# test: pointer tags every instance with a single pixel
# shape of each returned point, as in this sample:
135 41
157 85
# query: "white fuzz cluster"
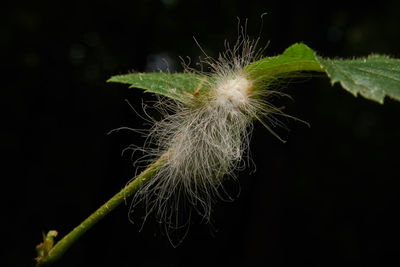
202 139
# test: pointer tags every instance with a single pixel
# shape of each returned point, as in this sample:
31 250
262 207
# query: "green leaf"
297 57
176 85
374 77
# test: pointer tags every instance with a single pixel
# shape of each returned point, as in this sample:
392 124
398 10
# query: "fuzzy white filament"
203 139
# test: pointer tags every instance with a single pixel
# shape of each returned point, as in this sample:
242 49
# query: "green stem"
50 254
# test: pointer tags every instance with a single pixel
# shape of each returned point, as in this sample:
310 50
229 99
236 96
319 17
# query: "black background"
327 197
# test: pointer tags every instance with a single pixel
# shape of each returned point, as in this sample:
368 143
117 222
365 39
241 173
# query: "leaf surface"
176 85
373 77
298 57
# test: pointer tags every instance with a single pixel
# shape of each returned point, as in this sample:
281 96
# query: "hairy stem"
48 253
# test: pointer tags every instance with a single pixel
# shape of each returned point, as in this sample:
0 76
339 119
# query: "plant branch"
47 253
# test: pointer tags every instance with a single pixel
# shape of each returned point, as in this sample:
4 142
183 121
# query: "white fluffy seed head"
234 91
202 141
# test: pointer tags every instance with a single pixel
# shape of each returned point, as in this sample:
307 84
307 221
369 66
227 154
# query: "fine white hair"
202 139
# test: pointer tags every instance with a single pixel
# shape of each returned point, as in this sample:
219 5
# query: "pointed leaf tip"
176 86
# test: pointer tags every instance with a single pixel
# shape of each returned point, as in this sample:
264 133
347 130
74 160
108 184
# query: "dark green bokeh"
327 197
